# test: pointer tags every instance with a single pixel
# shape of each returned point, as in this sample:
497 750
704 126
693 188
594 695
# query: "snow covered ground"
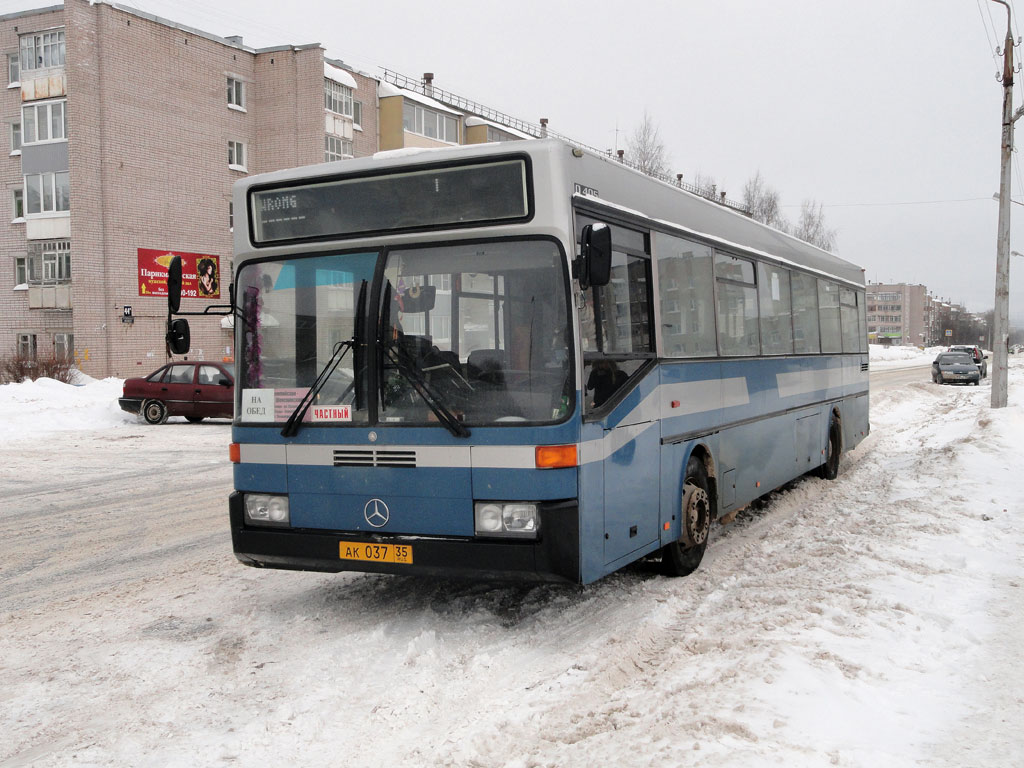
872 621
886 357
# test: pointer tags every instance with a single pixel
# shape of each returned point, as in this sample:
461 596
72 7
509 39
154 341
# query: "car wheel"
830 469
154 412
682 557
194 419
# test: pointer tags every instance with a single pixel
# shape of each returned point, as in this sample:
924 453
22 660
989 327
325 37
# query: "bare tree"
706 184
811 226
763 202
646 149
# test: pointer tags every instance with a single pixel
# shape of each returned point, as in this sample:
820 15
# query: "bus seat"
486 365
416 346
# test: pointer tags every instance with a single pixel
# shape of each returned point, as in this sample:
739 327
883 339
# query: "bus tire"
154 412
681 557
830 469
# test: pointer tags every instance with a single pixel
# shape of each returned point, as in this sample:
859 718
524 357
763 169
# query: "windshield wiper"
405 365
291 427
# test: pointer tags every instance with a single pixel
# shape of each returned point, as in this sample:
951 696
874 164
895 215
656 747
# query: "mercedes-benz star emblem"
376 513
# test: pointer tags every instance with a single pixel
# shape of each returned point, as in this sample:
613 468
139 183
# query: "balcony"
49 296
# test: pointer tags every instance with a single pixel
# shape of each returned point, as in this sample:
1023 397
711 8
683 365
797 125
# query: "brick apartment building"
897 314
125 133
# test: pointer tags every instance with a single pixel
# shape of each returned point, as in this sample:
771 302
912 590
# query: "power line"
988 32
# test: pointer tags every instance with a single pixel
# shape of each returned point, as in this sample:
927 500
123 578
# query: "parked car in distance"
976 354
955 368
194 390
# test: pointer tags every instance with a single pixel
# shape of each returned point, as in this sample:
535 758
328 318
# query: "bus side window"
616 329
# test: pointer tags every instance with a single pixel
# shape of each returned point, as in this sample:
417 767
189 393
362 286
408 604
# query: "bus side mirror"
595 264
419 298
174 285
178 336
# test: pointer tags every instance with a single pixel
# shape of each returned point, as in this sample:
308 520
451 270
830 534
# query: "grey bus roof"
642 195
617 186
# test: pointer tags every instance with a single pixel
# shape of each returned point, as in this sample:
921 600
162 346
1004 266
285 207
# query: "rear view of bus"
406 391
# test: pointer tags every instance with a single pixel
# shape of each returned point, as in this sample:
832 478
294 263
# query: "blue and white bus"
522 361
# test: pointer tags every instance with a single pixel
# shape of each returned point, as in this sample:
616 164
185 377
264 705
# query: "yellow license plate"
376 553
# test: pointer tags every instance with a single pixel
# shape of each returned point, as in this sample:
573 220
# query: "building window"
13 68
48 192
357 114
236 93
495 134
27 346
338 98
236 155
337 148
64 346
44 122
43 50
18 204
20 270
427 122
231 216
15 138
49 262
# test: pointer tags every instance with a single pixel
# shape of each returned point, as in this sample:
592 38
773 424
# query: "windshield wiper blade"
408 369
291 427
400 358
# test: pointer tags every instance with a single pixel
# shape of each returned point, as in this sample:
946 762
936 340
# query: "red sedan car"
194 390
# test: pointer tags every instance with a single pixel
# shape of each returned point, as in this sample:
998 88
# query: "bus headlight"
512 519
263 509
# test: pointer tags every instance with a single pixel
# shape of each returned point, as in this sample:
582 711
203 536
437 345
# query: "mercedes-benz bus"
522 361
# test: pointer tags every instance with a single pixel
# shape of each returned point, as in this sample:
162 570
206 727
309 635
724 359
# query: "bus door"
631 441
620 382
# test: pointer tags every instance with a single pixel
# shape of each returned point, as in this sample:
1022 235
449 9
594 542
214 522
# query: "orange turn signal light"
235 453
555 456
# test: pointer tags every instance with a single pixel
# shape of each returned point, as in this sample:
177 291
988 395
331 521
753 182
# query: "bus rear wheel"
681 558
830 469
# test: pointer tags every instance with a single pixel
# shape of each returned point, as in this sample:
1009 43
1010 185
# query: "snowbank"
34 409
887 357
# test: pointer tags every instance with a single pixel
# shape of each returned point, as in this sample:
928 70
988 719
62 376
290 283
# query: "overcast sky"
888 113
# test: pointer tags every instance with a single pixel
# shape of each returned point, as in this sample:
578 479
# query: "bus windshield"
479 333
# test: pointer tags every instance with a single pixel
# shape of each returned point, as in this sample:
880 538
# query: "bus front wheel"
682 557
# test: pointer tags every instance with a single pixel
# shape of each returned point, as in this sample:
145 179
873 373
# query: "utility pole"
1001 315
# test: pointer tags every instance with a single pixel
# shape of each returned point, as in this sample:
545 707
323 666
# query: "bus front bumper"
553 557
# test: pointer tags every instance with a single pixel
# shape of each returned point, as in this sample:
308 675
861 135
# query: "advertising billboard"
200 273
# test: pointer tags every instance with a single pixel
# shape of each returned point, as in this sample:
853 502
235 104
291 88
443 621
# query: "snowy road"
135 503
868 622
899 377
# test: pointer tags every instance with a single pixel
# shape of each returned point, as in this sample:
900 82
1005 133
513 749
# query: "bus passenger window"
828 310
686 287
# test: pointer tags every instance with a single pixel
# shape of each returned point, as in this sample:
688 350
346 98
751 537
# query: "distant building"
896 314
415 113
